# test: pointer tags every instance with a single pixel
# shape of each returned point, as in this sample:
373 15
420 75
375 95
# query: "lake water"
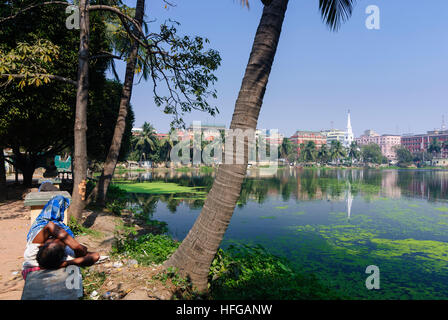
334 223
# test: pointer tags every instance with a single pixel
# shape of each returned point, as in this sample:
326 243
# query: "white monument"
348 138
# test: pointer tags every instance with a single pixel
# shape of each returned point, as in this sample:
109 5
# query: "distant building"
386 142
334 135
137 131
420 142
209 131
273 137
300 137
440 162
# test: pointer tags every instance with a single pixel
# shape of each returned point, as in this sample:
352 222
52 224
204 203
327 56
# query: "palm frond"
335 12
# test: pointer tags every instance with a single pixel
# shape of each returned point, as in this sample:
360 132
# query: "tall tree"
181 64
323 154
337 150
286 149
354 152
309 152
147 143
37 113
404 156
435 147
197 250
80 129
101 187
166 145
190 68
371 153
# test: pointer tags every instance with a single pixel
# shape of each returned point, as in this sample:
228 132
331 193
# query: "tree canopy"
37 113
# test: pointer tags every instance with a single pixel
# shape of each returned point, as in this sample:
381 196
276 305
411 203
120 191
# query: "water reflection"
349 198
303 185
330 222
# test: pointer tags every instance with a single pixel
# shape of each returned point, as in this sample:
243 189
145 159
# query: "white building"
348 137
334 135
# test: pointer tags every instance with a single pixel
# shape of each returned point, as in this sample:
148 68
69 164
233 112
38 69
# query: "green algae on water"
158 187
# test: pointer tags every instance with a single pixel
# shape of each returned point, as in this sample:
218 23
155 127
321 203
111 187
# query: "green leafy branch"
29 63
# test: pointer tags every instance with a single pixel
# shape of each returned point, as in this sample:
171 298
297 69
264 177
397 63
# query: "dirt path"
129 281
14 224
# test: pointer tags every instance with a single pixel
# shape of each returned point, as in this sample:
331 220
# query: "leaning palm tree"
197 250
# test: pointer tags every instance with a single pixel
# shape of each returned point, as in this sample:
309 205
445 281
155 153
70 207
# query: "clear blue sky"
394 80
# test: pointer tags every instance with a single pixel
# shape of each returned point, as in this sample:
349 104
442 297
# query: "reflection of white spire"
349 200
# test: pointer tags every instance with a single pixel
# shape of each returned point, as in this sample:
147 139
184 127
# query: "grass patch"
147 249
157 187
206 169
183 169
79 230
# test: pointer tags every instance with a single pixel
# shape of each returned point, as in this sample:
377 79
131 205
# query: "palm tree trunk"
3 190
195 254
100 190
80 143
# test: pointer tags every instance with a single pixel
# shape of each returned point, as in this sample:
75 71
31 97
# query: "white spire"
349 124
348 139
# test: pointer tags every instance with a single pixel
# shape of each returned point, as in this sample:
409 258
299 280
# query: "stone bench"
53 284
37 201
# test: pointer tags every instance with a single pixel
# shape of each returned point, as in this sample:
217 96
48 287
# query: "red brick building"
421 142
304 136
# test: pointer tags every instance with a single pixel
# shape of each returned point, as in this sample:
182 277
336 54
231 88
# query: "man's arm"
89 259
62 235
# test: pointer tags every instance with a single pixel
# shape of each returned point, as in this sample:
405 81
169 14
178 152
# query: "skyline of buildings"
387 142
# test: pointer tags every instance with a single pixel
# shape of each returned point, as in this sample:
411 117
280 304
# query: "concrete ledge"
53 180
37 201
51 285
41 198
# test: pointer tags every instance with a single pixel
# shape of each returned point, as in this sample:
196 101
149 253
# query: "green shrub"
79 230
147 249
114 192
115 207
